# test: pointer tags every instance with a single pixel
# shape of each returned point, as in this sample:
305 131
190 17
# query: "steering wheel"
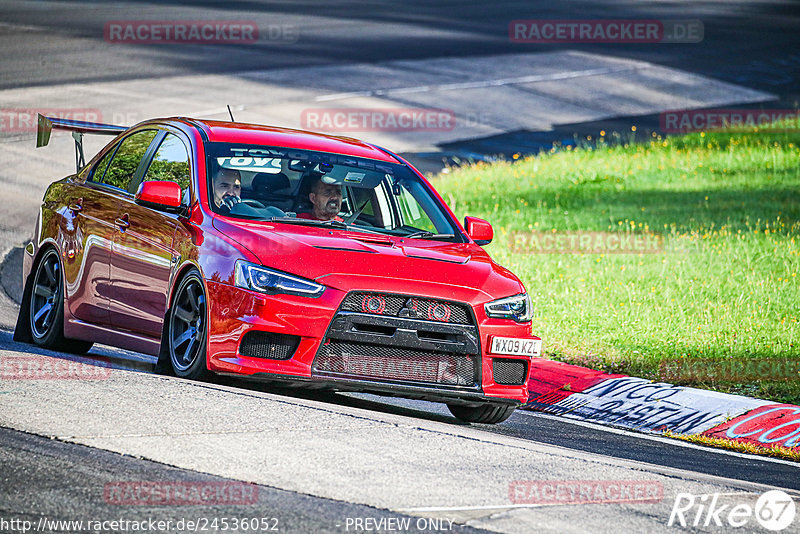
253 203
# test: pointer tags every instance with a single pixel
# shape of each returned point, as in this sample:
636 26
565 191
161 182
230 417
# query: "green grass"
726 284
774 451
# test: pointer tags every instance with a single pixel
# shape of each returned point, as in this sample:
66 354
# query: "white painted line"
337 96
24 27
261 430
540 505
486 83
493 507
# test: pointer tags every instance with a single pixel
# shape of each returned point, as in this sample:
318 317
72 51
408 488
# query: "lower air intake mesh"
381 362
267 345
509 372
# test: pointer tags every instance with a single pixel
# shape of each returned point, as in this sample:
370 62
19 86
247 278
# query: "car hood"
360 261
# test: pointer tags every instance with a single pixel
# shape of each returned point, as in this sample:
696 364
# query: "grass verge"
773 451
720 285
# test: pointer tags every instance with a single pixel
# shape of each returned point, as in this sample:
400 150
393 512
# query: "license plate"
516 346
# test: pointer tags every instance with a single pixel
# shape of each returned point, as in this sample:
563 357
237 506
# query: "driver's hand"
229 201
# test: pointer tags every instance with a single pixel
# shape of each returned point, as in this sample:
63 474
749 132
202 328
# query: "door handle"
122 222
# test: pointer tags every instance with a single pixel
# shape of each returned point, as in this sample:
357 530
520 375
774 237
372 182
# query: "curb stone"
644 405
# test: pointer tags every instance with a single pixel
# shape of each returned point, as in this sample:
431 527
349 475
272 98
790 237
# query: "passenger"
227 189
326 201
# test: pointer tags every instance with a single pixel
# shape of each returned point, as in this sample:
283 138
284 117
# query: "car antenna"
231 113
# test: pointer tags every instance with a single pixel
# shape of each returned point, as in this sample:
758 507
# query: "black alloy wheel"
45 295
186 335
46 307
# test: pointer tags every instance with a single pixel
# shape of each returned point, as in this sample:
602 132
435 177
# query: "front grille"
384 362
509 372
383 337
440 311
268 345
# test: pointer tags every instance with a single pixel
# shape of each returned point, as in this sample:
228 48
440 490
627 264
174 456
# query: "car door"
143 256
90 210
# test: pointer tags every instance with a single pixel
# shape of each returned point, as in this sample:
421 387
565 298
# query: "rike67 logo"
774 510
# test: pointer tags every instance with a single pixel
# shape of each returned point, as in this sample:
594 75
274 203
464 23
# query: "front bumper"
326 343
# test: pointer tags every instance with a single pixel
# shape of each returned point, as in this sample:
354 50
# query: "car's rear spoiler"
78 128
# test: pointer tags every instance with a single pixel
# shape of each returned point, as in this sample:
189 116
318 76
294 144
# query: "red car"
278 255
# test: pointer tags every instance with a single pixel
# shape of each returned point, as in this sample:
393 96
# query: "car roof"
257 134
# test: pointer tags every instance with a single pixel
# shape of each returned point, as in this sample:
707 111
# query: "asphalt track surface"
753 44
527 425
63 482
52 479
749 43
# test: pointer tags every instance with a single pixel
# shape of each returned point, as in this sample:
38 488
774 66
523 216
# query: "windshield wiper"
333 223
426 235
310 222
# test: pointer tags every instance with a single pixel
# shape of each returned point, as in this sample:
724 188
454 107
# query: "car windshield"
316 188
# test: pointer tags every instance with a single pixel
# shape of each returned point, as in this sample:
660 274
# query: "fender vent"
256 344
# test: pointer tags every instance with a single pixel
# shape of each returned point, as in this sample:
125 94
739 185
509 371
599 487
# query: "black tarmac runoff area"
50 486
747 43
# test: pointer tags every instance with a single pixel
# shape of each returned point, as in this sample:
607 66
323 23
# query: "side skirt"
76 329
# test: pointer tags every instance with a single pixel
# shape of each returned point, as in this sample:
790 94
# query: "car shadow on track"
103 356
343 399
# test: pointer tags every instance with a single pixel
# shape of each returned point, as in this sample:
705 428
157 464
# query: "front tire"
187 328
489 414
46 307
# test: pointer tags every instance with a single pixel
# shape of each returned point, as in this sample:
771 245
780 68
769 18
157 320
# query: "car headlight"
258 278
517 308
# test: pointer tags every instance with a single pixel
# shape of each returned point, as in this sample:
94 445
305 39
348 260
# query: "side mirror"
159 195
479 230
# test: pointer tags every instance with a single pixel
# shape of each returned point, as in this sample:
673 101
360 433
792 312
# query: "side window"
127 159
412 212
100 168
171 163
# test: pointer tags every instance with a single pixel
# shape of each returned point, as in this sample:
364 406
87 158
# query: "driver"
326 201
227 189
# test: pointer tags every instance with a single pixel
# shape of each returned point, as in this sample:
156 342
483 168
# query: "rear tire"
46 307
187 329
488 413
